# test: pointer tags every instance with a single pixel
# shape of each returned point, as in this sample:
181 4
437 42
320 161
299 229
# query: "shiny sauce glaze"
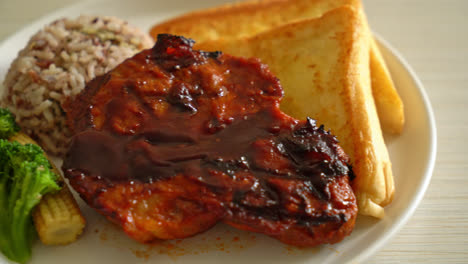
214 119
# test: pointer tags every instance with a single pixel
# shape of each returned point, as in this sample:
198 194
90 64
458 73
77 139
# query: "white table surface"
433 36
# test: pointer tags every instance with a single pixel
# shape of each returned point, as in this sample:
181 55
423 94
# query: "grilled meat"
175 140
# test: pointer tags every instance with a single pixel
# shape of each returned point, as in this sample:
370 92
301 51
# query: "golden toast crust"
390 106
243 19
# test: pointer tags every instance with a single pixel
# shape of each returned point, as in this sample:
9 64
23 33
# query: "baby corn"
57 217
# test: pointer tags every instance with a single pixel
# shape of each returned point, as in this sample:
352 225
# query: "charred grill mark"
174 53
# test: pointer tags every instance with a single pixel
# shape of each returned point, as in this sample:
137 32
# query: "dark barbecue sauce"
208 116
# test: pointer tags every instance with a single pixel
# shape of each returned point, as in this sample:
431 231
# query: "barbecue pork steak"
175 140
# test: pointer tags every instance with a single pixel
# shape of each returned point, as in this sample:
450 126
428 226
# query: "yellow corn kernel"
22 138
57 217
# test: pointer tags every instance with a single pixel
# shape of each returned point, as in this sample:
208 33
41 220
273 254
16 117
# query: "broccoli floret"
25 176
8 126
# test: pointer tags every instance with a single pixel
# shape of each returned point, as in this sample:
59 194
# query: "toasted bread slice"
244 19
387 100
323 65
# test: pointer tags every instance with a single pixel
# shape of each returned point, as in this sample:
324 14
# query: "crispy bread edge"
374 179
389 104
217 18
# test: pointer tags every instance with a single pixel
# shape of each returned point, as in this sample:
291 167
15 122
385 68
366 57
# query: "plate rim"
421 189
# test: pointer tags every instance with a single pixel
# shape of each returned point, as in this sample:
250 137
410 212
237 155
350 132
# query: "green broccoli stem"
21 219
21 234
19 215
25 176
4 218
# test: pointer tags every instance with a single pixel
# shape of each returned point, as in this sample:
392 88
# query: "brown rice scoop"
56 64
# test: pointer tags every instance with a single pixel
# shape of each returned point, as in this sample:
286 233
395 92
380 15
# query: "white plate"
412 154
